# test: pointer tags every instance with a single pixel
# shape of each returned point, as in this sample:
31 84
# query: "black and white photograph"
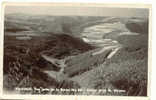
74 50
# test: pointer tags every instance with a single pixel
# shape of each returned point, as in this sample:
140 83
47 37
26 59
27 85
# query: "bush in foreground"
124 74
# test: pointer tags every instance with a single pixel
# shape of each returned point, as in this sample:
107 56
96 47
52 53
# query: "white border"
86 97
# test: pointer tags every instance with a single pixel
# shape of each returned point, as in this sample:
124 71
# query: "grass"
84 62
139 27
124 72
133 43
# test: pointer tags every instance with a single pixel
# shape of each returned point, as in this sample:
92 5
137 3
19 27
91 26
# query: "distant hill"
47 24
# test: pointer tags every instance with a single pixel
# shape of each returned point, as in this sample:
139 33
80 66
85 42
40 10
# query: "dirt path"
114 49
58 76
56 62
107 49
83 79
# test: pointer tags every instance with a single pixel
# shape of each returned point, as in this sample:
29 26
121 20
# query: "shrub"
126 74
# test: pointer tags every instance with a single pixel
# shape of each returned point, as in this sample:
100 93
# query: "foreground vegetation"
127 72
24 66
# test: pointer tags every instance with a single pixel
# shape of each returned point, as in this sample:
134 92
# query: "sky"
77 11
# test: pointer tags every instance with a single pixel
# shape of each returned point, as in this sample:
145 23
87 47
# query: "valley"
75 53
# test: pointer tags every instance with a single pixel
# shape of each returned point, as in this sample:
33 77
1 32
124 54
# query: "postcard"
75 49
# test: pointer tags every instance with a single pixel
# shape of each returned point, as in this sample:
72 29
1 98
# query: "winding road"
92 35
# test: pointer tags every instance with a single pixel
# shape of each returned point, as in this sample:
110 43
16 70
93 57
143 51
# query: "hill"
48 24
96 53
24 66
